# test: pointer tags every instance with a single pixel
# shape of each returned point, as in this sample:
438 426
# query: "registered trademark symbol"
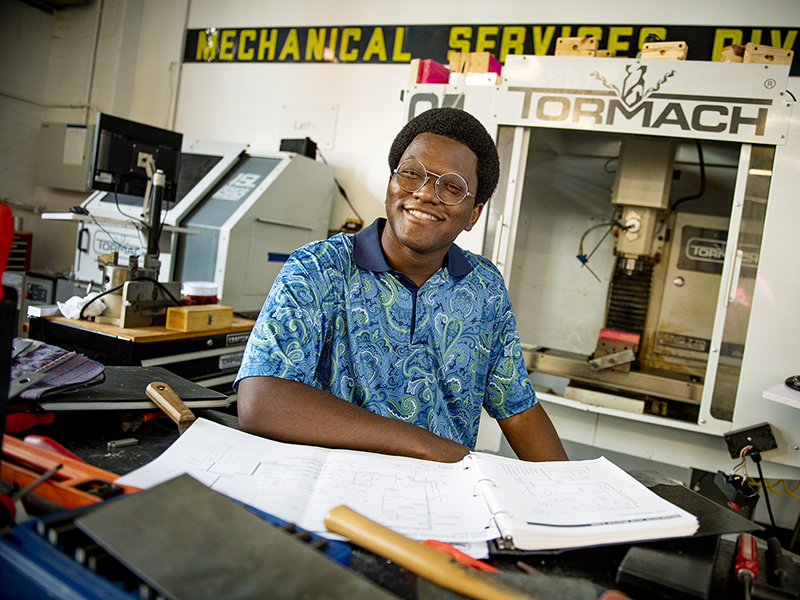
770 83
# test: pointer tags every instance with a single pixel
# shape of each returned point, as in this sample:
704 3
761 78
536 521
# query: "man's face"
419 221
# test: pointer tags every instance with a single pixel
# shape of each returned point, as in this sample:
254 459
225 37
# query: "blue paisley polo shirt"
338 317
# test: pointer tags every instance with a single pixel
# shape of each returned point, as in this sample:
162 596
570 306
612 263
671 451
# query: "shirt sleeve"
288 336
509 390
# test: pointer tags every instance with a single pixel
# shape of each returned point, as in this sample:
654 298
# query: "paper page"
268 476
297 483
570 493
418 498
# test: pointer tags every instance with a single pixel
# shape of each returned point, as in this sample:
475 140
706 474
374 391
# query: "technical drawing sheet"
297 483
570 493
573 504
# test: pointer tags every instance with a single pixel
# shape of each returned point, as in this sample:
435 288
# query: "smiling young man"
392 339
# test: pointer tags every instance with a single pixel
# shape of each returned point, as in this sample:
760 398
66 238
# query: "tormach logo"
649 107
633 85
709 250
705 250
103 245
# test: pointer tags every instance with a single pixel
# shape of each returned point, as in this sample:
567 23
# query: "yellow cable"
771 487
796 488
790 492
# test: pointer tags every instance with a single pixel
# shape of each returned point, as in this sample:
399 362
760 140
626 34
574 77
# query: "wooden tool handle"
419 558
167 400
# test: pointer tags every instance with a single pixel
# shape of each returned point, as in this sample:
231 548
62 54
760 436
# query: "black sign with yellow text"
393 44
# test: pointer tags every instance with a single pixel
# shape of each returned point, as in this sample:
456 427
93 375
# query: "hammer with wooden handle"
168 401
419 558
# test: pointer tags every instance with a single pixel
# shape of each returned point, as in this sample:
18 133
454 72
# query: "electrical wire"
346 199
771 487
766 493
755 455
610 226
116 287
100 295
582 257
136 222
161 286
126 215
701 192
103 229
341 191
742 466
791 492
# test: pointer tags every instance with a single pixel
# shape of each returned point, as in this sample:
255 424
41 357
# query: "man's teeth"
422 215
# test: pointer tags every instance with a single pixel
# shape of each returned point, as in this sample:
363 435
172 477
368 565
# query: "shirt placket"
425 310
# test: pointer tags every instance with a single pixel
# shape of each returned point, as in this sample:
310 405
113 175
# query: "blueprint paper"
300 484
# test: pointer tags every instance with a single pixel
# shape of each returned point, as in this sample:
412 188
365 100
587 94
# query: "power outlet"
758 436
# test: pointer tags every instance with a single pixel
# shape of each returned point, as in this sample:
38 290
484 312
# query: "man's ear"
476 213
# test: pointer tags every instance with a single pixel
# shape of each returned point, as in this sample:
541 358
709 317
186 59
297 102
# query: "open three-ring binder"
528 506
560 505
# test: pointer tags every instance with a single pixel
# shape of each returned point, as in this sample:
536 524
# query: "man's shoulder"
333 249
481 265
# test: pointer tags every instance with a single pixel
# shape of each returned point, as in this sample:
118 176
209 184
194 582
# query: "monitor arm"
148 163
156 181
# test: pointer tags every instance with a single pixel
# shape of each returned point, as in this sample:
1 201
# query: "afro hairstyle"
462 127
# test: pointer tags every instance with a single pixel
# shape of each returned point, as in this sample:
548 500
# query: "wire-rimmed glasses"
450 188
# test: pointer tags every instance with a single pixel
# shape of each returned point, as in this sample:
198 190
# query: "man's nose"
428 191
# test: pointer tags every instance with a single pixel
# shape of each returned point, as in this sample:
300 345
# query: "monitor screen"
120 146
193 168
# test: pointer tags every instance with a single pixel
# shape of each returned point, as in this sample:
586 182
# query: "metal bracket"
23 382
612 360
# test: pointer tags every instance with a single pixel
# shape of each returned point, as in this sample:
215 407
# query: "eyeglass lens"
450 187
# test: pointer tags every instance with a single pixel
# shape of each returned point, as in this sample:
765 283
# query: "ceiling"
50 6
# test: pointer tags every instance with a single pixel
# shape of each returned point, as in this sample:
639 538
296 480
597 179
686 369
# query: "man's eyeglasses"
450 188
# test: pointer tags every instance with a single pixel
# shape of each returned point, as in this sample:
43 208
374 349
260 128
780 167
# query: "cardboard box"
201 317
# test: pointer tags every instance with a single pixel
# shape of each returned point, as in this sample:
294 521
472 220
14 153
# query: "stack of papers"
534 506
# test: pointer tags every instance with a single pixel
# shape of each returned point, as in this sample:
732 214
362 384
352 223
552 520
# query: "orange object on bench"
75 484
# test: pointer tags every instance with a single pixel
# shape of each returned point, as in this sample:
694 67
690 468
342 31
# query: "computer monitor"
121 151
194 167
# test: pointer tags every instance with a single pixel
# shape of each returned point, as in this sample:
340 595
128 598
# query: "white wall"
62 68
27 38
50 62
246 99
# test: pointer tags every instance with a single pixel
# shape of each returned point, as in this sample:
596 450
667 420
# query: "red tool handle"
6 238
746 564
48 443
460 556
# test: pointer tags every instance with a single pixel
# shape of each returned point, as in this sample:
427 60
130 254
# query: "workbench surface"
87 435
151 334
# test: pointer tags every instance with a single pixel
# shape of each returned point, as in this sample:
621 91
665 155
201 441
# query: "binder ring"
475 487
508 539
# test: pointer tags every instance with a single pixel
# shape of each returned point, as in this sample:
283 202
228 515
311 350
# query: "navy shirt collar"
368 253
